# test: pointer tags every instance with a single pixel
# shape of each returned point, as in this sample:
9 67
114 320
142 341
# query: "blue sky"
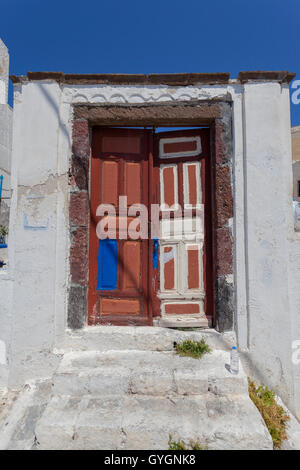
135 36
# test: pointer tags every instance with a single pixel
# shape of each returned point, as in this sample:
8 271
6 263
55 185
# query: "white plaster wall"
38 213
268 223
6 285
2 91
5 148
5 135
5 165
267 303
4 71
294 292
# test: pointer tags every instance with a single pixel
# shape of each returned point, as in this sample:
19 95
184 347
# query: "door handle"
155 253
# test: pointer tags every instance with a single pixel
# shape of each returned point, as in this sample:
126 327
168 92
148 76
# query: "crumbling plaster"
38 221
264 239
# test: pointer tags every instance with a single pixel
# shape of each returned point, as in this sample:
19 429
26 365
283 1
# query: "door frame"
216 114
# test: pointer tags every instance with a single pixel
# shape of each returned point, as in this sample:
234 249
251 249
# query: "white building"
249 280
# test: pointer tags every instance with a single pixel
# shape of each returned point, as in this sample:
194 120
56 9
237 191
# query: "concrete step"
126 388
146 422
146 373
25 407
105 338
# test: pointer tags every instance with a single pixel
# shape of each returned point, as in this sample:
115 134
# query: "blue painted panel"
107 265
155 253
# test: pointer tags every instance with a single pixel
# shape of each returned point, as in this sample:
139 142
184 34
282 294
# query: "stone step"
105 338
146 422
146 373
25 407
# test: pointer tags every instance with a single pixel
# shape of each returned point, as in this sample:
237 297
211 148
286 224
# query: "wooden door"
186 274
118 279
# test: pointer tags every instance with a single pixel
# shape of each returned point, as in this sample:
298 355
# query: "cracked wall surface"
6 116
39 217
5 141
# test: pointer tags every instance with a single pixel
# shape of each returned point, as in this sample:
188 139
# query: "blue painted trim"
33 227
155 253
3 243
107 265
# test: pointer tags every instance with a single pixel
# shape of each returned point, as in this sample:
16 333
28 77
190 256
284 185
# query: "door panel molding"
126 152
183 284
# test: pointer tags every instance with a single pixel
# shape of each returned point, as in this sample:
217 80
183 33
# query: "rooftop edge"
172 79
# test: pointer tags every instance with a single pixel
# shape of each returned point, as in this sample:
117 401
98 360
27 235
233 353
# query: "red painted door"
118 281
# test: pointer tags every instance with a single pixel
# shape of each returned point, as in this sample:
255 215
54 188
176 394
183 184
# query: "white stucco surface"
6 116
4 68
38 208
2 92
266 248
5 133
268 225
6 324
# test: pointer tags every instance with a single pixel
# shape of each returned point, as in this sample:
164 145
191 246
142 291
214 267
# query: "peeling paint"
169 255
34 225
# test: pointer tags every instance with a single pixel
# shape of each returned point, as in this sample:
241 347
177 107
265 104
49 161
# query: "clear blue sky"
138 36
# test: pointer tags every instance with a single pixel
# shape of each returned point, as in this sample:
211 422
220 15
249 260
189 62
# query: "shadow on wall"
54 106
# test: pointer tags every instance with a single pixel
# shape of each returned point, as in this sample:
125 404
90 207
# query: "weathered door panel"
185 287
118 284
125 287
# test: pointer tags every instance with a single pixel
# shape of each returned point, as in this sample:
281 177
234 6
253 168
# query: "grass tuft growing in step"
180 445
191 348
273 414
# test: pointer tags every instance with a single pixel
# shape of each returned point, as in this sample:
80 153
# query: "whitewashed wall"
266 248
5 130
268 229
39 219
4 70
5 167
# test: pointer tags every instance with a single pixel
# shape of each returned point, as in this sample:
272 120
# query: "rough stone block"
223 195
79 209
224 254
81 138
224 304
77 307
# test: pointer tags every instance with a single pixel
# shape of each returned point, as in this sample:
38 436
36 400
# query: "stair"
125 388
